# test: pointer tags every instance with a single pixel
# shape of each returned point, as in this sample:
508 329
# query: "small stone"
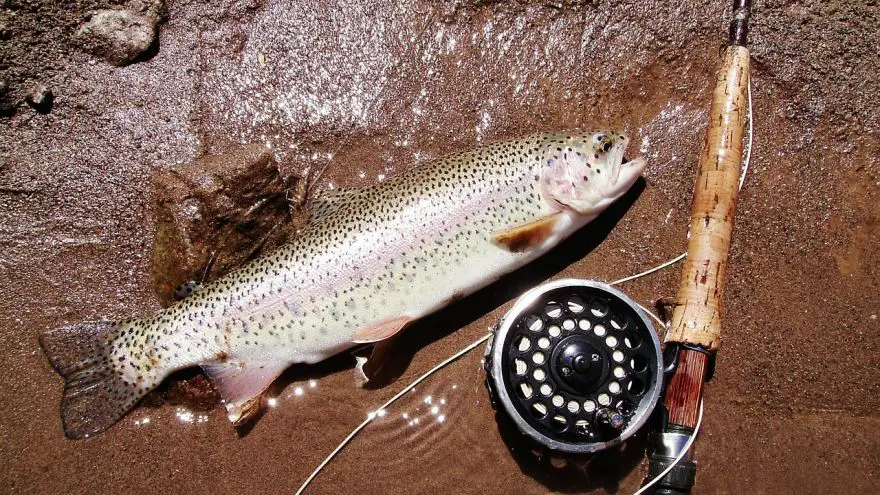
5 32
7 105
40 98
119 36
185 388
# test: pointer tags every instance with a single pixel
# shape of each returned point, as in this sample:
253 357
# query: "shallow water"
371 88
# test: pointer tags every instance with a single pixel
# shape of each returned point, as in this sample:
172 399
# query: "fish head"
587 172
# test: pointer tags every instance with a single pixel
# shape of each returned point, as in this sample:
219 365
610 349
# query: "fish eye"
603 142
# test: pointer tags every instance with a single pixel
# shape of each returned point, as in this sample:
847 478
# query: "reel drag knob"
576 365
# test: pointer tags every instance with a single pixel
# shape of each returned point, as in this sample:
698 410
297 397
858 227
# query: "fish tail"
99 385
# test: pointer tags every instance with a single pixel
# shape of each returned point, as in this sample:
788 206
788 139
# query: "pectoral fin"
524 237
241 385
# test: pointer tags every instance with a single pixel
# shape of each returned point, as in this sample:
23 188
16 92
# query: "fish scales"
369 262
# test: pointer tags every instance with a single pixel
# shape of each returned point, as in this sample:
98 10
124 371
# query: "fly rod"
694 334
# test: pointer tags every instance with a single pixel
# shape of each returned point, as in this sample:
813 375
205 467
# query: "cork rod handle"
696 317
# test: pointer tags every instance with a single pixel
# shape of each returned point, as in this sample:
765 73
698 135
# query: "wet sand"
374 89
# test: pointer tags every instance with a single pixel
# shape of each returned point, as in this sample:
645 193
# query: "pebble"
120 37
7 106
40 98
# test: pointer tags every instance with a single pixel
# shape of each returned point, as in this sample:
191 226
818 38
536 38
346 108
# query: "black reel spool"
576 365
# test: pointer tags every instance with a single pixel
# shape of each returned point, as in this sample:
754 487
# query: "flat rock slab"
216 213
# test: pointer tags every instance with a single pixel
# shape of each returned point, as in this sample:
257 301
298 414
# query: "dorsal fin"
330 201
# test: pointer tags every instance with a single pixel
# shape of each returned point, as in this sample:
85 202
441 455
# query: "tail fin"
96 392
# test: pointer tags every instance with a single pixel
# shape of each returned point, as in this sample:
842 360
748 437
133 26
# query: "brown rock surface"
374 88
217 213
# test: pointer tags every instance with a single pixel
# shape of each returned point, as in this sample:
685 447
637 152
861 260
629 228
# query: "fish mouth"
625 172
630 171
616 158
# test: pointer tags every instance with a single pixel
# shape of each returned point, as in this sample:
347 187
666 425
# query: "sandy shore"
373 89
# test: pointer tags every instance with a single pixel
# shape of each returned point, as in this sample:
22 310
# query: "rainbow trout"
370 262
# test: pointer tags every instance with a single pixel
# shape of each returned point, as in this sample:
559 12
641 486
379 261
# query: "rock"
5 32
217 213
119 36
7 105
40 98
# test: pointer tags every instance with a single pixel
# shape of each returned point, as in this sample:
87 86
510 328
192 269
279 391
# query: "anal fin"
524 237
241 385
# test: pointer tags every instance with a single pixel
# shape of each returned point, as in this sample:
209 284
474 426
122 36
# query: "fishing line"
484 338
390 401
747 159
373 414
652 315
650 271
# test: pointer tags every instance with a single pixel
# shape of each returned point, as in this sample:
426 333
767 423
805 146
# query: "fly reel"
576 365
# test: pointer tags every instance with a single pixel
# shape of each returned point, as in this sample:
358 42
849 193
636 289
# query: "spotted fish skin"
370 261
